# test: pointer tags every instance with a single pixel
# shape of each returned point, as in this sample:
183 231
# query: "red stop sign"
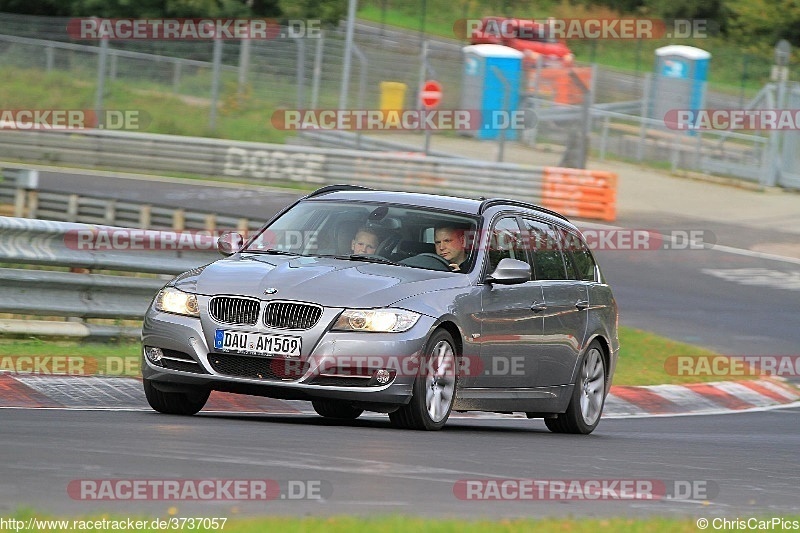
431 94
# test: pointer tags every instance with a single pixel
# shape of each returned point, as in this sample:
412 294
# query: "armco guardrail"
80 292
269 163
49 205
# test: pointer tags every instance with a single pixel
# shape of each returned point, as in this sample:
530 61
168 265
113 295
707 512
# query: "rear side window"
579 260
583 259
544 245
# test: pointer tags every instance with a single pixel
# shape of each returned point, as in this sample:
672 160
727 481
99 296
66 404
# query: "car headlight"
376 320
171 300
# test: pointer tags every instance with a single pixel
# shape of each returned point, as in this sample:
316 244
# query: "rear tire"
588 396
434 387
336 409
174 403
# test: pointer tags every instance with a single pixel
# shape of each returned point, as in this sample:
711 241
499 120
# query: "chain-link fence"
262 76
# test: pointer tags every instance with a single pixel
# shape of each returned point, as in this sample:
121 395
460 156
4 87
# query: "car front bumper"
329 370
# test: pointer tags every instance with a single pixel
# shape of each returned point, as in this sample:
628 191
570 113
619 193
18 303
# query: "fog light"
383 376
153 354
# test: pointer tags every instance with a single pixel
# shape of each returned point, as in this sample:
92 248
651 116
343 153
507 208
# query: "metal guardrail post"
178 220
72 208
20 198
144 216
110 214
33 203
211 222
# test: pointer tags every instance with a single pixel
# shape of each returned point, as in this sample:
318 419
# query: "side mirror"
510 272
229 243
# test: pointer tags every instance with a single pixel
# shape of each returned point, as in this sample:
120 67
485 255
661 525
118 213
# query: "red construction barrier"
580 193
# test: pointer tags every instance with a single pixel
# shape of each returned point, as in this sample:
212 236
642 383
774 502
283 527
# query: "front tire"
588 396
174 403
334 409
434 387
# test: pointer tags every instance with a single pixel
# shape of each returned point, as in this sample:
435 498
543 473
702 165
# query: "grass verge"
402 524
642 357
160 110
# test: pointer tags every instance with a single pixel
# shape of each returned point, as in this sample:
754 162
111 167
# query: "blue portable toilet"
680 80
482 89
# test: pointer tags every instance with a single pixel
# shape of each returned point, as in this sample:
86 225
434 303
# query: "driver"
365 242
450 245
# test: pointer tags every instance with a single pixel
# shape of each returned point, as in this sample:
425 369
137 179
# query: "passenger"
451 245
364 242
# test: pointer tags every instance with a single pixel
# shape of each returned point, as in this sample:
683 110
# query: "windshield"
531 31
363 231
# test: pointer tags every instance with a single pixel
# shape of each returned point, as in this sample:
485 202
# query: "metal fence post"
112 72
423 72
301 73
176 76
362 85
215 80
776 137
604 138
506 102
244 64
348 44
317 71
644 114
49 53
101 79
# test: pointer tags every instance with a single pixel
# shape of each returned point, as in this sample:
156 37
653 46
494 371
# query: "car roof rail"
339 187
486 204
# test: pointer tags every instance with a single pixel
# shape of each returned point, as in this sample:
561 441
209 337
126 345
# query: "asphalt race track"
740 465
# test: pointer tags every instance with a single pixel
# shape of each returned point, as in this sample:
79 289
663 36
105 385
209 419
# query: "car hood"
327 281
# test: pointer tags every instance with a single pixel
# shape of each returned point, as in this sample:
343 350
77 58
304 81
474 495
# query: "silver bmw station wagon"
409 304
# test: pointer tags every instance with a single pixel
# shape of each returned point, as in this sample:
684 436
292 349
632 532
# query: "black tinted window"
582 258
544 244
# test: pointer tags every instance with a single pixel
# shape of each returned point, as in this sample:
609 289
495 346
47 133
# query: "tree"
329 11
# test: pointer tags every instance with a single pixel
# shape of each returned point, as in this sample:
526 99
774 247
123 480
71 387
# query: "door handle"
582 304
538 307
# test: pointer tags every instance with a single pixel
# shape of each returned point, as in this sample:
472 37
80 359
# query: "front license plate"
256 343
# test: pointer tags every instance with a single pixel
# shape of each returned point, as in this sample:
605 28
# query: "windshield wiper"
271 251
368 258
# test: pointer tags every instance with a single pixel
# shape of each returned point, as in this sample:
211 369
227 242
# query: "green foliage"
758 25
329 11
50 8
159 8
143 8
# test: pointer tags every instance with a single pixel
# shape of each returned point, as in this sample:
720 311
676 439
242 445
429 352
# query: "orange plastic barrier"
580 193
557 83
